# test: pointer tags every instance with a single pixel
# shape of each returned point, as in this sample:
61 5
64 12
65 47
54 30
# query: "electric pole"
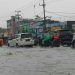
44 27
44 14
18 18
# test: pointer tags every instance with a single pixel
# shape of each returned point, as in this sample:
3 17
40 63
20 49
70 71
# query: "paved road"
37 61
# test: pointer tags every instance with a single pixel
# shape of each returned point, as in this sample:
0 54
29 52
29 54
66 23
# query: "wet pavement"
37 61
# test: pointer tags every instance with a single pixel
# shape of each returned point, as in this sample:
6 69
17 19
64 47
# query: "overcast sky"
8 7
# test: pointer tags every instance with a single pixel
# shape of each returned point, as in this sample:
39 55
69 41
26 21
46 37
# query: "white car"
21 39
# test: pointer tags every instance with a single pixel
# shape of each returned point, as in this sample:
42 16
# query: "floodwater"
37 61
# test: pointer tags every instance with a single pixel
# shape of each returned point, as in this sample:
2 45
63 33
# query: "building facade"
71 25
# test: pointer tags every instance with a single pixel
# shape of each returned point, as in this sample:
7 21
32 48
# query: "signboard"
55 28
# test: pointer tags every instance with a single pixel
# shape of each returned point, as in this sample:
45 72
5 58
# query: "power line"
59 14
52 1
63 12
36 5
37 1
12 12
24 6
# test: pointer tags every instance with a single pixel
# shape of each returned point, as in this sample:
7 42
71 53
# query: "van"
21 39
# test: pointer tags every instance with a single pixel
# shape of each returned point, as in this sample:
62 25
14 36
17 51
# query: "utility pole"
44 27
44 14
18 18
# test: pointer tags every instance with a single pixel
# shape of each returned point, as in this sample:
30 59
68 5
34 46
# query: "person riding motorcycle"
46 39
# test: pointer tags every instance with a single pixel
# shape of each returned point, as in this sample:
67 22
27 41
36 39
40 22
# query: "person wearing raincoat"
46 39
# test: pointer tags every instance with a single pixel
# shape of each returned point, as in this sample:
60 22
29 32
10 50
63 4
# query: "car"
65 36
73 41
21 39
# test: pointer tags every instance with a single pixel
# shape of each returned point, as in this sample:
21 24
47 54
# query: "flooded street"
37 61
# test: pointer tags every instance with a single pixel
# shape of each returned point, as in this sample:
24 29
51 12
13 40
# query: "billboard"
55 28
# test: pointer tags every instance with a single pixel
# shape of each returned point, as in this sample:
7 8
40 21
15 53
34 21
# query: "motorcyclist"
46 38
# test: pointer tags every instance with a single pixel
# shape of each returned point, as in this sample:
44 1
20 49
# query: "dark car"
66 37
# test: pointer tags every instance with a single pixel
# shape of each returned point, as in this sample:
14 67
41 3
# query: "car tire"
8 45
31 46
69 44
17 45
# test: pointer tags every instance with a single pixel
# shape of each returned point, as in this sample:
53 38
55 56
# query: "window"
26 35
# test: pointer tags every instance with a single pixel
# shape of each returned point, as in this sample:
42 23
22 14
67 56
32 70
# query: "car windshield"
10 38
26 35
64 31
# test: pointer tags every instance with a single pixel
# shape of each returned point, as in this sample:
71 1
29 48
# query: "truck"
65 36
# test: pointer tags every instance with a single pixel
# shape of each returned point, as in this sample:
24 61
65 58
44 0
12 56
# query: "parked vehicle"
73 41
55 39
66 37
46 39
21 39
1 42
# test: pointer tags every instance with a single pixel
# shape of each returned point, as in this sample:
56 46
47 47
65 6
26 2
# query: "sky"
55 9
